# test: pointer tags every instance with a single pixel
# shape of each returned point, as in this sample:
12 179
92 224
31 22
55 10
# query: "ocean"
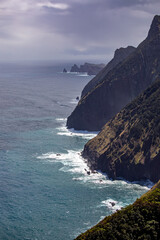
45 191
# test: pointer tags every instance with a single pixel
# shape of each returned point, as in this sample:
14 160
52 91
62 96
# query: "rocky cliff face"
129 145
89 68
138 221
119 55
120 85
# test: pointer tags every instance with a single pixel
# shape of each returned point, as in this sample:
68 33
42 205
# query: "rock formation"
119 55
120 85
89 68
137 221
64 70
129 144
74 68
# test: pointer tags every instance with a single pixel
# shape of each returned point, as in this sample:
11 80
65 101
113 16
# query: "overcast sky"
72 29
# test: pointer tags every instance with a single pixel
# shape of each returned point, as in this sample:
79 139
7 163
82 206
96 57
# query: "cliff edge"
120 85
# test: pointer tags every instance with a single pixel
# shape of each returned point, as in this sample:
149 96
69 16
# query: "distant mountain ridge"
120 85
89 68
119 55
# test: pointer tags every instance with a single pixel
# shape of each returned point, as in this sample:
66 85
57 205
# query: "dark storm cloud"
74 28
95 25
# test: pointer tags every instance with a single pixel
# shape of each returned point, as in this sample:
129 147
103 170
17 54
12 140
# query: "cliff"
89 68
119 55
140 221
120 85
129 144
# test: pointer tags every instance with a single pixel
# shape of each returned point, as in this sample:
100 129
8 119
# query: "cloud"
72 28
60 6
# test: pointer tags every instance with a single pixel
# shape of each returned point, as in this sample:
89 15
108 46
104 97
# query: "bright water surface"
45 192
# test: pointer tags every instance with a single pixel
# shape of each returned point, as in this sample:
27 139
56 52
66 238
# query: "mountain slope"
119 55
139 221
129 145
121 85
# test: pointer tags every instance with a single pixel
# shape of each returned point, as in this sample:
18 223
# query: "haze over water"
45 191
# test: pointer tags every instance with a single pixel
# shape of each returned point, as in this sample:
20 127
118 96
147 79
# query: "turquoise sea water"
45 192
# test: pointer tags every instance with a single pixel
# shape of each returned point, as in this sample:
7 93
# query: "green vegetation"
139 221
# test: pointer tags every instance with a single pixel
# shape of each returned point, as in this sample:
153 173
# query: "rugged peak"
119 55
155 27
120 52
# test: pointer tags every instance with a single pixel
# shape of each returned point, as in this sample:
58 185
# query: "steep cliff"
120 85
119 55
129 145
139 221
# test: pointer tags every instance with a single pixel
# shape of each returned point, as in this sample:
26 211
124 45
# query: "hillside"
120 85
139 221
129 145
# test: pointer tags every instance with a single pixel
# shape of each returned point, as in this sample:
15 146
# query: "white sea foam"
74 73
99 178
73 133
61 120
83 75
147 184
112 204
74 101
74 163
79 74
64 131
101 218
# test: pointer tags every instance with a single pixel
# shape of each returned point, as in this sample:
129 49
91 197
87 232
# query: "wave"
74 163
136 185
80 74
83 75
64 131
74 101
145 184
112 204
61 119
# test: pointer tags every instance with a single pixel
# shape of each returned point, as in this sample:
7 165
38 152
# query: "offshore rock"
120 85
